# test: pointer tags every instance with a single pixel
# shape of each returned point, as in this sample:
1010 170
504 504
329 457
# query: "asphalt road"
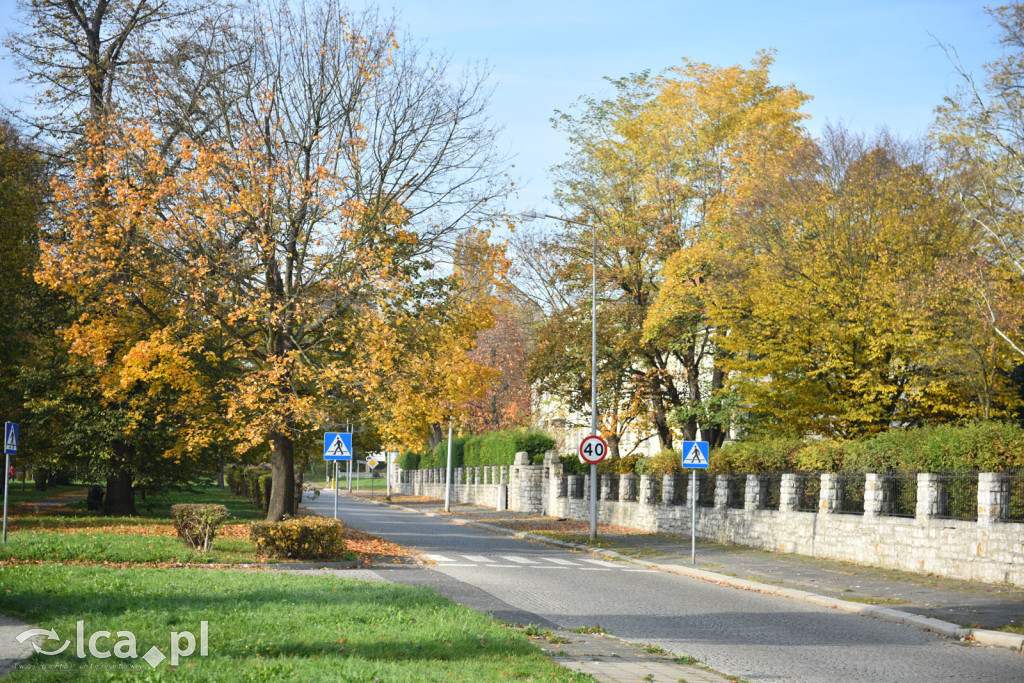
754 636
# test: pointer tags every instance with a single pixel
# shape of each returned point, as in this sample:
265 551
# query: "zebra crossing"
533 562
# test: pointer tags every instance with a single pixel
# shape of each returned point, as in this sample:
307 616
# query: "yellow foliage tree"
833 292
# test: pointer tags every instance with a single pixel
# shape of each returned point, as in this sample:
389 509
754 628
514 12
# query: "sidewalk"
954 608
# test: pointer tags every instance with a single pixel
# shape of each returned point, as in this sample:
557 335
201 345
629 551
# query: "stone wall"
746 511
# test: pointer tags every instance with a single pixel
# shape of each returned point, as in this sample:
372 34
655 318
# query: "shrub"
252 483
197 523
668 461
571 464
755 455
299 538
534 442
410 460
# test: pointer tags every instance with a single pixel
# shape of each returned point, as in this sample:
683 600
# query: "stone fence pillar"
668 489
929 495
604 485
875 502
722 482
627 487
648 487
993 498
754 493
828 499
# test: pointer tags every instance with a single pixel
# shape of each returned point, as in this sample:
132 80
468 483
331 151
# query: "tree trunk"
120 498
436 436
40 475
282 470
613 446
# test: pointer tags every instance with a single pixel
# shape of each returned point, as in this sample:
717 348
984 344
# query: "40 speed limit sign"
593 449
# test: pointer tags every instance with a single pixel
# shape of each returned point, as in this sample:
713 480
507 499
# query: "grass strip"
263 626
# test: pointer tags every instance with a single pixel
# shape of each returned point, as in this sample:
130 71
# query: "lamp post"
533 215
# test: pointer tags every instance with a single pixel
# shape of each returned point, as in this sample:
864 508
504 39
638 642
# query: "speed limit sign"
593 449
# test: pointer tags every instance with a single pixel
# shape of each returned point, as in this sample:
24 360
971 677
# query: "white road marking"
518 560
558 560
602 563
476 558
439 558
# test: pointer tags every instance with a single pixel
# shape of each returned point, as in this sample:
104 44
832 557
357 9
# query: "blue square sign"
10 438
337 446
695 455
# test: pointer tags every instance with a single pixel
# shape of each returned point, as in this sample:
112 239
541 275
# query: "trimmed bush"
299 538
196 523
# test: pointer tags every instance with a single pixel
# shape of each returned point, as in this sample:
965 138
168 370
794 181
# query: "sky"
867 63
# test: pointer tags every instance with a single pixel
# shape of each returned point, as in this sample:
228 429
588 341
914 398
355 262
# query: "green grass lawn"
264 626
75 535
15 494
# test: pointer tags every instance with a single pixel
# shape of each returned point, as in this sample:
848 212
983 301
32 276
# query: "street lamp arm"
533 215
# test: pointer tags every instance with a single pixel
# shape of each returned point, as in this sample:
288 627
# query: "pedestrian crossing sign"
337 446
695 455
10 438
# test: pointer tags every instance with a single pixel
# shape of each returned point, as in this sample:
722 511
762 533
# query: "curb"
1011 641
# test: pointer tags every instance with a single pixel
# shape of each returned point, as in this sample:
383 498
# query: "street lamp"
533 215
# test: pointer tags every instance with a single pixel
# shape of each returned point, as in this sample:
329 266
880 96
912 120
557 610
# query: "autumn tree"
981 132
255 241
504 347
833 283
646 170
434 375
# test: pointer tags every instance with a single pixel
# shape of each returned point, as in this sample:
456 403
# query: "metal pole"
336 475
448 474
693 517
7 471
593 384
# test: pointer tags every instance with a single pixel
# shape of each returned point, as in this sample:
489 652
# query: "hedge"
986 446
252 483
490 448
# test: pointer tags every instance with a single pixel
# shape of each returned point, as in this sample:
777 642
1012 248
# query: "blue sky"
867 63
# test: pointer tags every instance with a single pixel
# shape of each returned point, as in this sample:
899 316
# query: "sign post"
593 450
10 448
337 447
695 457
372 462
